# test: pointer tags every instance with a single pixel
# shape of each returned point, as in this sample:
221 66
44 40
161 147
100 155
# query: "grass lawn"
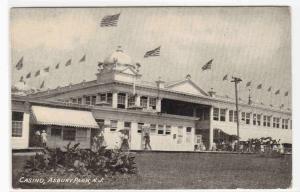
192 171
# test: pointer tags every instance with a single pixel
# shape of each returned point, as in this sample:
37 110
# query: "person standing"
44 138
147 141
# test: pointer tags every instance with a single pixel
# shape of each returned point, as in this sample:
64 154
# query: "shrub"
103 162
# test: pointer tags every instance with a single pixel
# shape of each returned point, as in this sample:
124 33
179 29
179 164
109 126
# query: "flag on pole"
57 66
20 64
82 59
37 73
225 77
152 53
47 69
259 86
68 62
28 75
42 85
277 92
270 88
207 65
286 93
248 84
21 79
110 20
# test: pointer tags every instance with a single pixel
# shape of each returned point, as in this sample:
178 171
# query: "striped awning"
63 117
285 135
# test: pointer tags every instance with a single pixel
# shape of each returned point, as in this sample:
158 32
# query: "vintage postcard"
151 97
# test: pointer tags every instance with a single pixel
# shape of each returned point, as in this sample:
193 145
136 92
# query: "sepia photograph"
151 97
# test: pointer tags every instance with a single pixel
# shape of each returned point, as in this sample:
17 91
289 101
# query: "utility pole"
236 80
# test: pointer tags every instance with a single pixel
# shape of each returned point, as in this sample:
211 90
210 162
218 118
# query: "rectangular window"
79 100
160 130
113 125
103 97
243 118
222 114
168 130
94 97
231 115
258 119
268 121
248 118
144 101
56 132
81 134
140 127
109 98
17 123
69 134
152 103
274 122
282 123
265 121
153 128
216 114
286 124
88 100
131 100
188 130
121 100
254 119
127 125
235 116
277 122
74 100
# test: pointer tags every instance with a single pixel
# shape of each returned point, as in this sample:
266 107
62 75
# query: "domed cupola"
118 66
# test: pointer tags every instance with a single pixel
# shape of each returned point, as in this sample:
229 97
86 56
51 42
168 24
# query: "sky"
253 43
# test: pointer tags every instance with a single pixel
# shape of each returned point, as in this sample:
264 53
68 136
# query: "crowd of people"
261 145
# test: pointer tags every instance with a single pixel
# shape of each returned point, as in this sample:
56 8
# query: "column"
194 111
227 115
158 104
114 100
83 99
97 98
148 102
126 100
211 129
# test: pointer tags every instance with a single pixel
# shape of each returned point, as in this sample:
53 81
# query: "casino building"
177 115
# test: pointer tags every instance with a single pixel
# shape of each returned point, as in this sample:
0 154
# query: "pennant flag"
57 66
82 59
28 75
286 93
259 86
270 88
225 77
277 92
42 85
248 84
68 62
282 105
37 73
20 64
152 53
110 20
21 79
207 65
47 69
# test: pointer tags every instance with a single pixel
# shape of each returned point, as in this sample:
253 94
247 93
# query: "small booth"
61 126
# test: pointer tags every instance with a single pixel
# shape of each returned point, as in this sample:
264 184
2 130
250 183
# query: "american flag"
47 69
20 64
259 86
248 84
277 92
68 62
152 53
82 59
110 20
57 66
270 88
286 93
42 85
207 65
37 73
28 75
225 77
